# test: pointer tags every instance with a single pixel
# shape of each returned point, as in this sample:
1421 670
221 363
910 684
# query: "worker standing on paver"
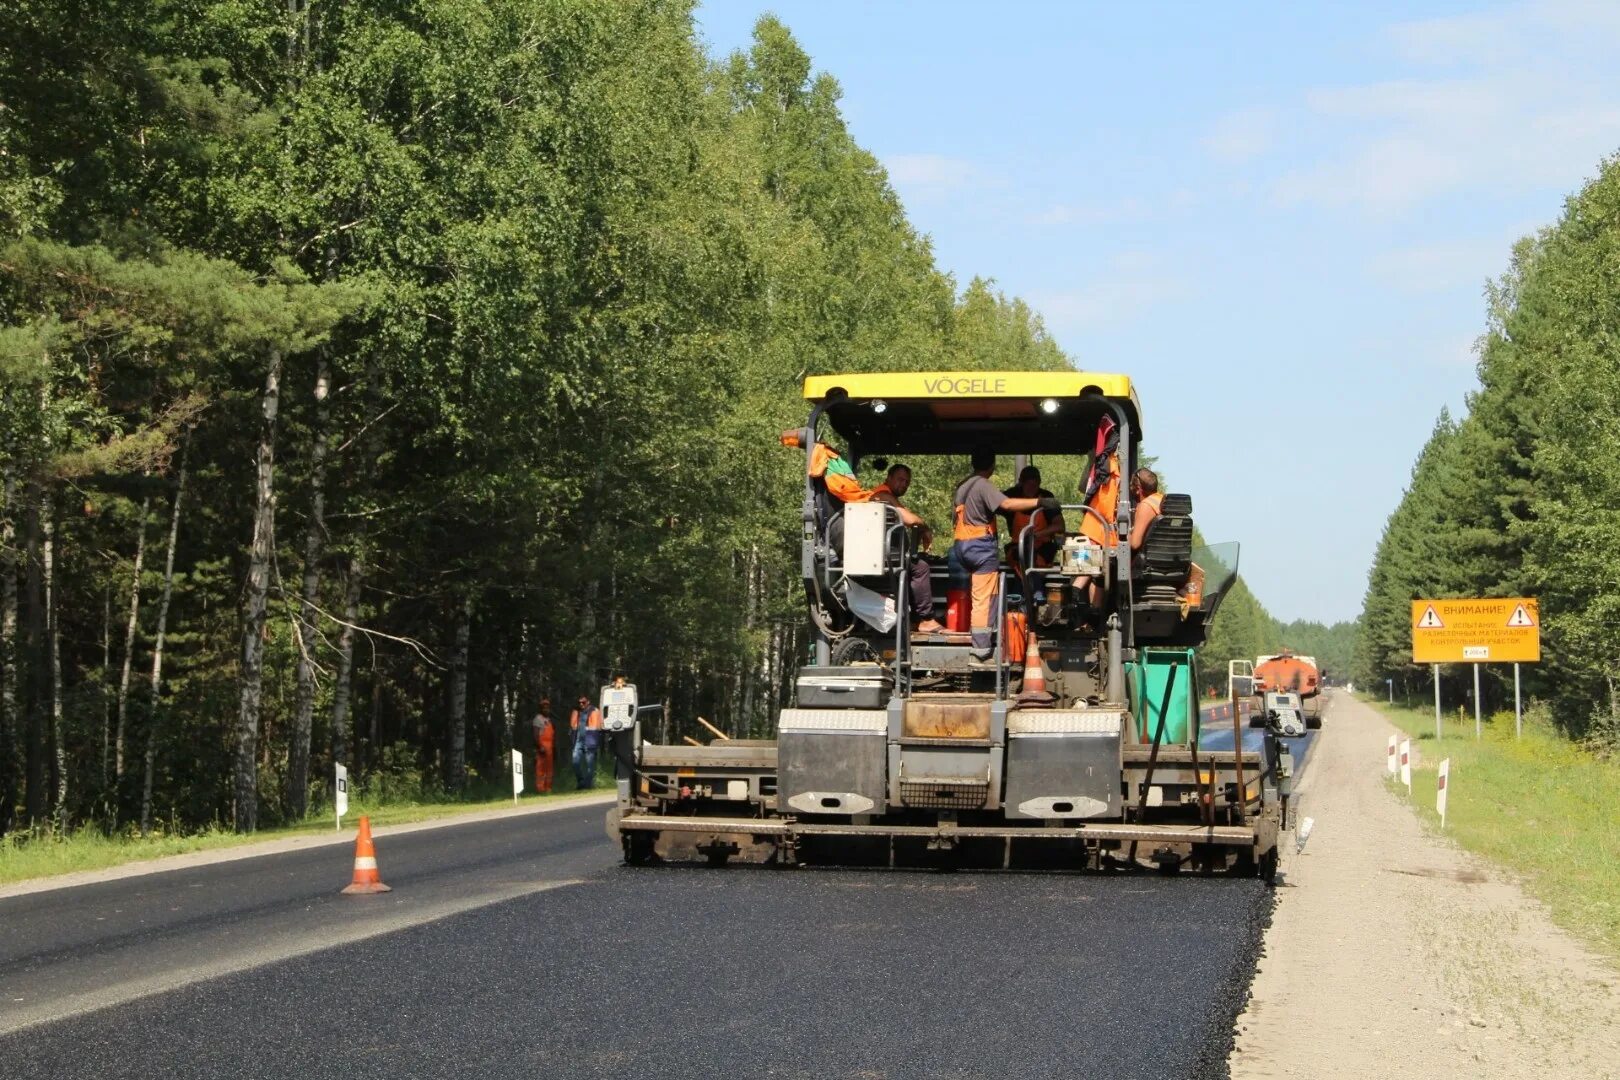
545 748
586 725
977 502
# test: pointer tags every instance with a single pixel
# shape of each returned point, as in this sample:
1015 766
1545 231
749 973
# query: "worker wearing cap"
545 748
977 502
586 724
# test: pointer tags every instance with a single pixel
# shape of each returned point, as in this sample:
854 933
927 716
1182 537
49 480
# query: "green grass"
24 856
1540 806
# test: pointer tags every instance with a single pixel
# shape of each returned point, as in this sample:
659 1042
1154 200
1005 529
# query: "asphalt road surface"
521 948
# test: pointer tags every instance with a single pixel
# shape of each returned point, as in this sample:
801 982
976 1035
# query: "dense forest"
370 370
1522 495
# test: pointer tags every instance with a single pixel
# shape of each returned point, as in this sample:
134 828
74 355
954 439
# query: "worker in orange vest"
977 502
1048 530
585 722
1147 503
545 748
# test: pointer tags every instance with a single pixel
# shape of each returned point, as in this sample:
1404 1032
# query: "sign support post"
1518 710
517 774
1436 668
1477 734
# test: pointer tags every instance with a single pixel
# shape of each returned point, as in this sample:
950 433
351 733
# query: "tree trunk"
155 697
343 684
253 607
129 640
37 794
53 650
106 701
455 762
8 657
308 617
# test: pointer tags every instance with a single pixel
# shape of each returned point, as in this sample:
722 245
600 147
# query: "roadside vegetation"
386 800
1521 496
1543 807
369 371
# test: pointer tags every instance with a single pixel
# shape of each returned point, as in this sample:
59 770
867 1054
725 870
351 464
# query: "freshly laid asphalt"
521 948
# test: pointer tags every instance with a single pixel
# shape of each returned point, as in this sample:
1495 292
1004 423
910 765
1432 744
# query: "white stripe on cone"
365 862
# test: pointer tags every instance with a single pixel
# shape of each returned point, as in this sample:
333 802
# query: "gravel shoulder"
1393 953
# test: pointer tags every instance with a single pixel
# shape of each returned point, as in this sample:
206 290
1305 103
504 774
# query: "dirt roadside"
1393 953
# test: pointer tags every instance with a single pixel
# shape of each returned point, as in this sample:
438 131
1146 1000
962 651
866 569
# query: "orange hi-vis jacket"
1106 503
828 466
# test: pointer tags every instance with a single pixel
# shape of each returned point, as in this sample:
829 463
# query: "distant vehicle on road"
1288 672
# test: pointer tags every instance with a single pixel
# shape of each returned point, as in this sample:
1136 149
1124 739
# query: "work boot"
930 626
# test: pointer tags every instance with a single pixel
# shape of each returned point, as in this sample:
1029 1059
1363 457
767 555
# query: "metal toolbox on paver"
1063 764
831 761
863 686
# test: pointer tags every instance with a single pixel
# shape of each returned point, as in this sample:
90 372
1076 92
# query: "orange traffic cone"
1034 689
366 879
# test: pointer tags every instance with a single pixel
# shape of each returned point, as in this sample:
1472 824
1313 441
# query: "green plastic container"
1147 677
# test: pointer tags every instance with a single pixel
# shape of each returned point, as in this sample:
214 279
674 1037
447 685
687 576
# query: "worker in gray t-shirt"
977 502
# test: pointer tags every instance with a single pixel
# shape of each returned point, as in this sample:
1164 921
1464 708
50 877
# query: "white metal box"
864 528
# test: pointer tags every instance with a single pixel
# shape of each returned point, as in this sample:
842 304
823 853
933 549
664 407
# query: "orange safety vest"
1154 500
1106 503
839 479
1021 518
964 531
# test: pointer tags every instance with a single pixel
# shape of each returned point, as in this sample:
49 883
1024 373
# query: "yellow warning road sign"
1496 631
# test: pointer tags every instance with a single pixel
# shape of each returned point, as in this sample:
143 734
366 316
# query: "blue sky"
1278 218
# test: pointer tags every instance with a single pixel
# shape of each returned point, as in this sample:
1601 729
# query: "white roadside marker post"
340 793
517 774
1406 765
1440 791
1390 763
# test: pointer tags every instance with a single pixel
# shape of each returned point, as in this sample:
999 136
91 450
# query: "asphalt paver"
669 972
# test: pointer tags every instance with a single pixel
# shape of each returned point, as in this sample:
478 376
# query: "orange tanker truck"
1289 673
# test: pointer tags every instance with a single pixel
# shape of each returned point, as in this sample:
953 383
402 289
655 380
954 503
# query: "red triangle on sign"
1520 617
1431 620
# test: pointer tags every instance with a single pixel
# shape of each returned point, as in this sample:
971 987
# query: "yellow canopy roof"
902 385
951 411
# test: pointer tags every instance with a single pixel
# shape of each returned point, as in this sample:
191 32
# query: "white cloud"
1242 135
1433 267
1532 101
1508 35
933 174
1132 283
1093 214
1381 175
